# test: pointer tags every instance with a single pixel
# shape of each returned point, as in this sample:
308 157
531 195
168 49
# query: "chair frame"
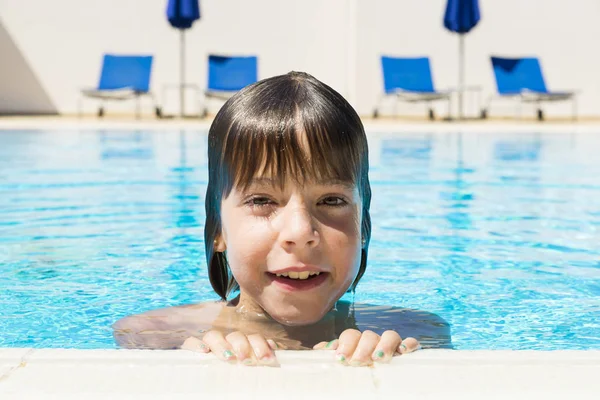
117 97
415 97
533 97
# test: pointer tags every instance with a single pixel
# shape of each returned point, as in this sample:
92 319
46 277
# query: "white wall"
338 41
562 34
20 89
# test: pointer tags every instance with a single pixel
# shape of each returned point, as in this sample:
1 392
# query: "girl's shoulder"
166 327
174 314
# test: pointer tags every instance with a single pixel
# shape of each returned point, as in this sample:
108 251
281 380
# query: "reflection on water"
399 149
523 149
495 233
132 145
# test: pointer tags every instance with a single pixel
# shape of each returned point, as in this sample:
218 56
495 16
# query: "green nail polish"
379 354
248 361
328 345
227 354
340 357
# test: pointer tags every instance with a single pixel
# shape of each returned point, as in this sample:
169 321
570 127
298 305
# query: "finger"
241 347
272 344
331 345
218 345
366 345
347 344
408 345
262 350
195 344
388 344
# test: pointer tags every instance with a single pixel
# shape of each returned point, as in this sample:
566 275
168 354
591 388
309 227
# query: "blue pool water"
499 234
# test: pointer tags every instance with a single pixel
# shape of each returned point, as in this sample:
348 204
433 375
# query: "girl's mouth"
298 282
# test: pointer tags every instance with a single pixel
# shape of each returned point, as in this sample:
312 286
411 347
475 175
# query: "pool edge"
62 373
383 126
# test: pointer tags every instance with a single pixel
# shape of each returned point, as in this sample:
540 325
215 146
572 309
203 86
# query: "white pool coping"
426 374
371 126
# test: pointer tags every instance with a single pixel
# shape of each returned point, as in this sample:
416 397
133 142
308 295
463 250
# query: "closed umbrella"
181 15
461 16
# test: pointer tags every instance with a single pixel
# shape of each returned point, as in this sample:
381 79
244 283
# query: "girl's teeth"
298 275
303 275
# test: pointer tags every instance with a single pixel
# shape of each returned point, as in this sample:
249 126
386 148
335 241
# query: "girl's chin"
291 322
297 317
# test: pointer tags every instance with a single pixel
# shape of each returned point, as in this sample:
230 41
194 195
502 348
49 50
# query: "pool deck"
383 125
426 374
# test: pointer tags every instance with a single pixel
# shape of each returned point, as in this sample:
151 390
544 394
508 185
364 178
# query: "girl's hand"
362 349
236 347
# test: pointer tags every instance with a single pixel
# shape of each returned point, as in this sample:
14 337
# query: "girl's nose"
298 229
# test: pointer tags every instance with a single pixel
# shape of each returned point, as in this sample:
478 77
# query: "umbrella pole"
181 73
461 73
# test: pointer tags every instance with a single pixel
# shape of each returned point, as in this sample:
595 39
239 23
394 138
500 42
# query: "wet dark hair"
265 128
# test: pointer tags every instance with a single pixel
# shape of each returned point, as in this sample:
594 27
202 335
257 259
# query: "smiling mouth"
293 281
298 275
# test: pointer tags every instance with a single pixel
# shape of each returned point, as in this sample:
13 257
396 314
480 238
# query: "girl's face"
304 230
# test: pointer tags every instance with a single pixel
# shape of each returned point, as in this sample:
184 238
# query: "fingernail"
248 361
328 345
228 355
268 360
340 357
378 355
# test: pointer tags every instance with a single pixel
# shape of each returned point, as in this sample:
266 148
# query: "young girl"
288 226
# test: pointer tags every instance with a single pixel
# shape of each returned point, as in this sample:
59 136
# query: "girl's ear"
219 245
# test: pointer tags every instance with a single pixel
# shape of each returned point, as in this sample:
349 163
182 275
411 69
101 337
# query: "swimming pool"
498 233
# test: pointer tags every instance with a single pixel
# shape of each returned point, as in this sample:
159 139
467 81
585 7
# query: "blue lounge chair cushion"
408 74
228 73
125 72
518 75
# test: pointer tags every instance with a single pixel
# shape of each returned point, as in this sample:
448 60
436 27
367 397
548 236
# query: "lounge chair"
227 75
409 79
123 78
522 79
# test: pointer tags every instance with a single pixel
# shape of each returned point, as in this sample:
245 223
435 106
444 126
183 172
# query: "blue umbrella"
181 15
461 16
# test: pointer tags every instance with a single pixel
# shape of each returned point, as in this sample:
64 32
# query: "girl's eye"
259 201
333 201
